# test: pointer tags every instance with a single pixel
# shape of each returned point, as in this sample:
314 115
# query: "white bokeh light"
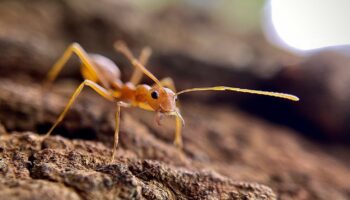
311 24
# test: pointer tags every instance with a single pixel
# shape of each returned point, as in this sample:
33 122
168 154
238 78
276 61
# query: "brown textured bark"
148 165
57 168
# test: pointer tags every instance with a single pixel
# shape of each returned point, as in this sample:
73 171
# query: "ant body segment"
103 76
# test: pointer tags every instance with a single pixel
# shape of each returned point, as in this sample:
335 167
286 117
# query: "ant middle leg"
97 88
117 128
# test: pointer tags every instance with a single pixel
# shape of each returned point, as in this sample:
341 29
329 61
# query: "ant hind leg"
87 69
58 66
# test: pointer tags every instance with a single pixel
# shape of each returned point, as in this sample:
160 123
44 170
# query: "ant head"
162 99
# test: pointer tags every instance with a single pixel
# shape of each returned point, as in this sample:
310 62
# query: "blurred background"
286 46
297 47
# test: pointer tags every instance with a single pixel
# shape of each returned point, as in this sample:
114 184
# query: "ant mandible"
103 76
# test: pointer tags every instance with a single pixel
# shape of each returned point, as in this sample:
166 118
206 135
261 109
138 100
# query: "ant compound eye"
154 95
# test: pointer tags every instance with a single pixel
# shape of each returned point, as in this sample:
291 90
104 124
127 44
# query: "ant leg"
100 90
83 56
168 82
88 71
116 132
178 137
144 57
124 49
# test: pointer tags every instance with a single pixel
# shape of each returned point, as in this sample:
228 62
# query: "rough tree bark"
244 149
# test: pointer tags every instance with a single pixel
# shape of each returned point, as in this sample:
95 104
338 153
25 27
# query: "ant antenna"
123 48
259 92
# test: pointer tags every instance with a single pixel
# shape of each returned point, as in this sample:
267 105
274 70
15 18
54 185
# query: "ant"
103 76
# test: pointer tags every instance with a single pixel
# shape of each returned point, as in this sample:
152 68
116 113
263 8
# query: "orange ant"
103 76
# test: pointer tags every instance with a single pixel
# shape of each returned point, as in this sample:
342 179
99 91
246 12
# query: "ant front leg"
117 128
169 83
178 130
97 88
